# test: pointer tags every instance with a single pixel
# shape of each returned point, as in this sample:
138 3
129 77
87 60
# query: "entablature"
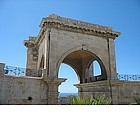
61 23
54 21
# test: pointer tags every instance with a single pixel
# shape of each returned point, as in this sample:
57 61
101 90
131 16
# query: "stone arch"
78 44
66 71
80 60
78 76
102 76
64 56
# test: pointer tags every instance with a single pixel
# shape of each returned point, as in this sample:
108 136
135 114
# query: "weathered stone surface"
22 90
2 68
78 44
63 40
121 92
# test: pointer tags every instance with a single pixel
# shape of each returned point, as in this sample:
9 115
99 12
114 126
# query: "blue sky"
21 18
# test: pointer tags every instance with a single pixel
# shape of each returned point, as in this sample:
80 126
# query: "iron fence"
16 71
129 77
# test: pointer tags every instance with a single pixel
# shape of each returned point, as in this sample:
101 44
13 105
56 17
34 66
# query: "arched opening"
96 68
82 61
96 72
67 88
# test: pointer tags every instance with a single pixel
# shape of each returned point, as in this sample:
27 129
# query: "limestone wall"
128 90
122 92
30 90
22 90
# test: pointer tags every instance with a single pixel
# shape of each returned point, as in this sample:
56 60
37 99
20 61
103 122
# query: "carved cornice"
54 21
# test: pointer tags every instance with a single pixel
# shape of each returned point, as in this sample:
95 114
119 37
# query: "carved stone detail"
35 54
30 43
78 26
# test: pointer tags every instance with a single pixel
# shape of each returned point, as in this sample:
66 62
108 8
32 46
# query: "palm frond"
137 100
73 100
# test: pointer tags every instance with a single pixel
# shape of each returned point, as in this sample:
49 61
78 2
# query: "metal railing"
16 71
129 77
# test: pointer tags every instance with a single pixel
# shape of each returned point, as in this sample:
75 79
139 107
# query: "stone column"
112 60
91 70
91 73
53 84
2 68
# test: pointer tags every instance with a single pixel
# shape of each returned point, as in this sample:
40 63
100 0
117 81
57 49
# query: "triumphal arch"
78 44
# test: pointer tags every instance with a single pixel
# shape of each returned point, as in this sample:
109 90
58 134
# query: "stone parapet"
61 22
22 90
55 21
121 92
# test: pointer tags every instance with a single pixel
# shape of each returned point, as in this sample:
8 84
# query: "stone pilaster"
115 88
32 53
53 84
112 60
2 68
91 70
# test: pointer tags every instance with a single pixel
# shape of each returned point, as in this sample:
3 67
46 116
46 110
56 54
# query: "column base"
53 84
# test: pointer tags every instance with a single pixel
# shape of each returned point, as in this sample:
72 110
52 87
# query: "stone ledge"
100 83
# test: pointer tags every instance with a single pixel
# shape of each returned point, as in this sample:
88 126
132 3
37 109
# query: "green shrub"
80 101
102 101
73 100
137 100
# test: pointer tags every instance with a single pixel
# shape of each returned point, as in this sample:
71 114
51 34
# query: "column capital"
30 43
54 81
53 84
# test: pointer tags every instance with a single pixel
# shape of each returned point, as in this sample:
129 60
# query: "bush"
73 100
137 101
102 101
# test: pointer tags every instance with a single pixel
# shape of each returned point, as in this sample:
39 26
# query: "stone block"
2 68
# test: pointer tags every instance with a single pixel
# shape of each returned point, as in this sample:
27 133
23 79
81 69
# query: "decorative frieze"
35 54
